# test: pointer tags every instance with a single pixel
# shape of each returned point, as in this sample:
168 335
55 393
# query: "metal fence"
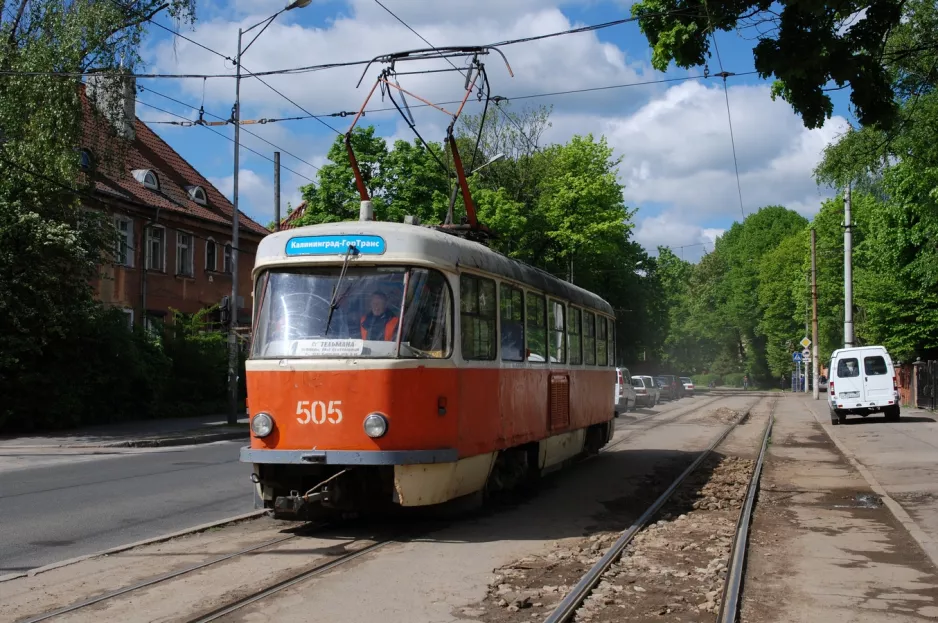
926 384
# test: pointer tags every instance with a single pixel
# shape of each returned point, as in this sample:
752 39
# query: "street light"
233 302
452 198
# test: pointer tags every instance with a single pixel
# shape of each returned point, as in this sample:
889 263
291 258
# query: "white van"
862 381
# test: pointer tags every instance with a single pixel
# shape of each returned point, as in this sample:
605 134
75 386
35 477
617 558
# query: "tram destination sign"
327 348
335 245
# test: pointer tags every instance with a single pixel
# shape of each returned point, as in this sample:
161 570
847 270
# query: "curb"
929 546
158 442
123 548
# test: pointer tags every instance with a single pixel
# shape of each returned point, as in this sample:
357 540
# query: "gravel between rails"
673 570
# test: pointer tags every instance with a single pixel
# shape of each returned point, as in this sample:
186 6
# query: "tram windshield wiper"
334 303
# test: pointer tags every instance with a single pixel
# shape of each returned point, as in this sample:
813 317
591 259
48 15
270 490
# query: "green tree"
806 46
49 245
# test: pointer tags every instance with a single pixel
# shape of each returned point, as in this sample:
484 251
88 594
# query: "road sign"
796 357
806 354
805 342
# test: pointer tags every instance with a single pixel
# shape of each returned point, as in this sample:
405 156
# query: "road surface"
54 512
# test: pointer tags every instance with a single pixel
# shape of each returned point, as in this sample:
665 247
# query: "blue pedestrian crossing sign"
796 357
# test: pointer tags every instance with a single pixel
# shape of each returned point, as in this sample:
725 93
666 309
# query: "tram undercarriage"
326 491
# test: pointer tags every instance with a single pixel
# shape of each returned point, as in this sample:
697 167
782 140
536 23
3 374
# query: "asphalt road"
56 512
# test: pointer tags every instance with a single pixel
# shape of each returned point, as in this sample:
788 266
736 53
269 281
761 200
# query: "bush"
100 372
733 379
703 380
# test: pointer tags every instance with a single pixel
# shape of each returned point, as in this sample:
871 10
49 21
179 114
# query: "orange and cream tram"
398 364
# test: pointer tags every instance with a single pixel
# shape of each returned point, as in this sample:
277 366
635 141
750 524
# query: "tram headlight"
262 424
376 425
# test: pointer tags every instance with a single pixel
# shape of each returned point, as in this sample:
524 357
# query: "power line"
243 129
729 117
228 138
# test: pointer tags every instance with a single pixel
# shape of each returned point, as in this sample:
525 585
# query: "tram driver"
380 323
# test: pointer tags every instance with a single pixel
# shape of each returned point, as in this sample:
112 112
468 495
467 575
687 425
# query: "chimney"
114 97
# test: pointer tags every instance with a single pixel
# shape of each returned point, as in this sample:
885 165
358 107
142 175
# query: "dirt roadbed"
823 547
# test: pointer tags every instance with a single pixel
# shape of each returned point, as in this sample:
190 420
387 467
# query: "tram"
397 364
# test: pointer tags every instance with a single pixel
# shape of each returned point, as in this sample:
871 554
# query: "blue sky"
673 138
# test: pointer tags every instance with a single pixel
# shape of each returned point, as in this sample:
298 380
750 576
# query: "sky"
673 138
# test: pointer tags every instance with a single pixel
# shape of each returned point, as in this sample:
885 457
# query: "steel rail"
155 580
729 607
296 579
567 608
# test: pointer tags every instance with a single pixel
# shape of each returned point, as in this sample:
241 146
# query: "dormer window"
148 178
85 159
197 194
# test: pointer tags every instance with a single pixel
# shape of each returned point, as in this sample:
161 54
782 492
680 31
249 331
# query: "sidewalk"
139 434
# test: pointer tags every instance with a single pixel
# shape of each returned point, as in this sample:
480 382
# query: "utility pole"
815 364
276 191
236 120
848 272
233 303
807 318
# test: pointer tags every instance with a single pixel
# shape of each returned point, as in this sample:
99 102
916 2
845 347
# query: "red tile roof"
289 222
149 151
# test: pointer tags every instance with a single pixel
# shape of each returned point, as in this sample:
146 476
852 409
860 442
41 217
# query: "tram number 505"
316 412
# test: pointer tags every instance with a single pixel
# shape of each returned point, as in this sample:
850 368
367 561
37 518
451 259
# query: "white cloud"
685 239
256 194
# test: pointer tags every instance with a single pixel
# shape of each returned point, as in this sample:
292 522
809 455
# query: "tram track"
201 566
567 608
287 578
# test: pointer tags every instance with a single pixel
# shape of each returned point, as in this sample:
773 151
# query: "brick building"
174 227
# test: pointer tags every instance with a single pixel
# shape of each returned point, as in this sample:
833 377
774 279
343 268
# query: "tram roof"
404 243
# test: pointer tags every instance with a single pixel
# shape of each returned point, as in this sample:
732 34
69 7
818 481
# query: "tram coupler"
294 504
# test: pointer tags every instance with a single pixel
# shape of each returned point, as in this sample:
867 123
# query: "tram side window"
428 316
477 317
612 343
555 324
576 353
512 314
589 338
601 337
536 328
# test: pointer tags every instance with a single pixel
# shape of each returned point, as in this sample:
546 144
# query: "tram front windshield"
377 312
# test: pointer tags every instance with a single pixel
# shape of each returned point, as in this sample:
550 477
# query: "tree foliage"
807 46
62 357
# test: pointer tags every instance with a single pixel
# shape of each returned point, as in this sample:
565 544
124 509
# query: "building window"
123 249
536 327
589 338
576 353
184 254
477 317
197 194
148 178
601 337
227 259
156 249
555 327
129 314
211 255
512 314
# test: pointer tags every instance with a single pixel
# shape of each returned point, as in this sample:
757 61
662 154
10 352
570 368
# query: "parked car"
665 390
653 387
625 393
688 385
822 383
646 392
677 388
862 381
